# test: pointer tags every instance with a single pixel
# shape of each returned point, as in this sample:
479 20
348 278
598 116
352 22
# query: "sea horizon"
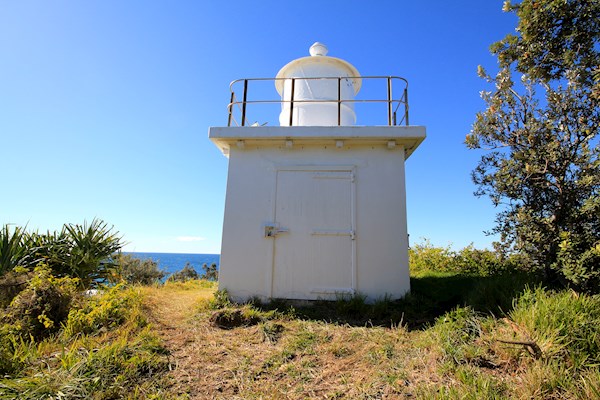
173 262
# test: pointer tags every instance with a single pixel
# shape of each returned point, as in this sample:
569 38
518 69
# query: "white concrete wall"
381 235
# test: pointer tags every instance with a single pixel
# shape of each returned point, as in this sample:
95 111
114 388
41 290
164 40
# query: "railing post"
389 94
244 102
406 106
230 109
339 105
292 102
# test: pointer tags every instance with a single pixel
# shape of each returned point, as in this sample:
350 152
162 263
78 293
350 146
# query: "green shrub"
187 273
43 305
103 311
134 270
90 249
8 363
475 261
78 251
129 361
425 257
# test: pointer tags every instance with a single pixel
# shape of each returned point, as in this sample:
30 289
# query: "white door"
314 251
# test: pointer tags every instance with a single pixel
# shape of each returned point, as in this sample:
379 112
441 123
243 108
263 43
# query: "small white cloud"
190 238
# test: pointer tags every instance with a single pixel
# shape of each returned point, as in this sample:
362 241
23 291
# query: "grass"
454 337
104 351
443 341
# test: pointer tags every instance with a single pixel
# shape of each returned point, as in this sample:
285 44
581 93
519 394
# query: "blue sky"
105 106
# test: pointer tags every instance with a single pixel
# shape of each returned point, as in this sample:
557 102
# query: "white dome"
315 100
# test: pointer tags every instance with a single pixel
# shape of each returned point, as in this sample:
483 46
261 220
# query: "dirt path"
171 313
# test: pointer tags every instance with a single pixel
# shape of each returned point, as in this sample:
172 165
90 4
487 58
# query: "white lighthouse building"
316 207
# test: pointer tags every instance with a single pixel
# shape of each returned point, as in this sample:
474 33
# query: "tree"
211 272
134 270
541 134
187 273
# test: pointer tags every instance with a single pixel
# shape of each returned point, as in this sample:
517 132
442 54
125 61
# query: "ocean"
173 262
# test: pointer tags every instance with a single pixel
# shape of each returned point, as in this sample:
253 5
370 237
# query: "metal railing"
239 109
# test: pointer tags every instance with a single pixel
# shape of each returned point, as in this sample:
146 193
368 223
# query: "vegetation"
78 251
455 349
134 270
211 272
12 250
185 274
475 325
95 347
44 303
541 137
425 257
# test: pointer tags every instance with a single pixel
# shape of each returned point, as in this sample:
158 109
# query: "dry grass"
310 360
170 309
173 303
303 359
307 359
286 357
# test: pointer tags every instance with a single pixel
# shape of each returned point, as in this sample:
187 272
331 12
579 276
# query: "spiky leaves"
79 251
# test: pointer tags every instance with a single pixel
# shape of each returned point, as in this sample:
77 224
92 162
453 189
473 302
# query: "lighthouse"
315 203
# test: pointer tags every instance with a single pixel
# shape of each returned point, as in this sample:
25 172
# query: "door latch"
272 230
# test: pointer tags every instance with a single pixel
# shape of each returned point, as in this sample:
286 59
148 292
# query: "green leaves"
540 134
555 36
12 249
89 251
79 251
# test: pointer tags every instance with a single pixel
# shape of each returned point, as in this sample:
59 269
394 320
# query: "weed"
271 331
455 333
219 300
229 318
564 324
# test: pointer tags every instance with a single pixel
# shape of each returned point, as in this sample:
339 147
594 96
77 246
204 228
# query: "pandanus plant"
13 251
89 251
79 251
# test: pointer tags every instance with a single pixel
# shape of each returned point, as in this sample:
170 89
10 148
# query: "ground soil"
171 313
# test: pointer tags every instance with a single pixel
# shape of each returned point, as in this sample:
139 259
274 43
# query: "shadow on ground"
430 297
